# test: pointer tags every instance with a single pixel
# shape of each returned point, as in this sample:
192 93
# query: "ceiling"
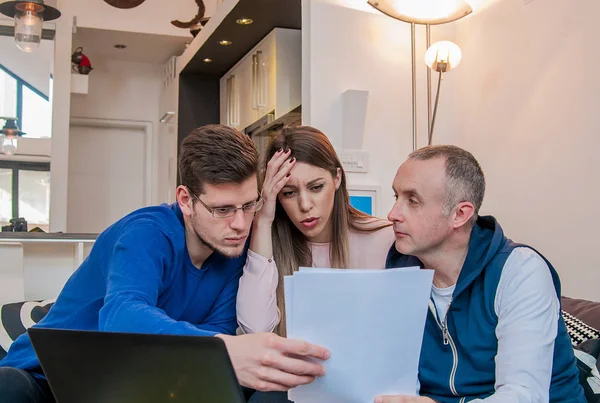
98 44
266 14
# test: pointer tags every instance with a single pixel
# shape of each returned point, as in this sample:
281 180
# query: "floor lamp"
422 12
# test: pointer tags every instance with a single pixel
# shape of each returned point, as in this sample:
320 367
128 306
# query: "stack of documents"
372 322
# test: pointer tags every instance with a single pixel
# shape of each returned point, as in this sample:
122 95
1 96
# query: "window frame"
20 84
17 166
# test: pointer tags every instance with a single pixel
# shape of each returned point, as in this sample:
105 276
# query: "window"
21 100
8 95
36 119
5 195
25 192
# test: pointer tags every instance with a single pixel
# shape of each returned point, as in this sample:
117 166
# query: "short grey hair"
465 179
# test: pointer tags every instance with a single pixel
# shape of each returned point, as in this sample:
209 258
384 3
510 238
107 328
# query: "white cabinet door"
236 96
265 82
243 72
288 71
230 100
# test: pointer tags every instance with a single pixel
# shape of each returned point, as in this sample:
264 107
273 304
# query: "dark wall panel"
198 104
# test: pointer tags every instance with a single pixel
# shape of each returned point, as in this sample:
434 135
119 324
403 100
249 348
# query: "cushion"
587 354
578 330
16 318
587 311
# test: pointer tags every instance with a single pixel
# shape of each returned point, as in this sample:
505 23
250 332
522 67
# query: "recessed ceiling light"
207 60
244 21
120 46
225 43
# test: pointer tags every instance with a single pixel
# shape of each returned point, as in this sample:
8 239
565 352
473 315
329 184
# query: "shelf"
79 83
42 237
266 14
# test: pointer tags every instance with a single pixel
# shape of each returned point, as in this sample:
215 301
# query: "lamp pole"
429 124
414 85
398 10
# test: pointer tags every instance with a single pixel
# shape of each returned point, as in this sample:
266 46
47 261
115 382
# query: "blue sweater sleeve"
134 278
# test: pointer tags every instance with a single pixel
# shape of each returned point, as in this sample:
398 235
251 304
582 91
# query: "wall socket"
354 160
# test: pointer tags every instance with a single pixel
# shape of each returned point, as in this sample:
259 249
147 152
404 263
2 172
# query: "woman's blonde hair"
290 247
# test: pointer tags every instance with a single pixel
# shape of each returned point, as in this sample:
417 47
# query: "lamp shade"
11 129
10 8
443 56
430 12
29 15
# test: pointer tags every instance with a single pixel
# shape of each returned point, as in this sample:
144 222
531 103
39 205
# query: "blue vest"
457 361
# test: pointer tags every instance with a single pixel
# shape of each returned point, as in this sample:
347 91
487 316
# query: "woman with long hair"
306 221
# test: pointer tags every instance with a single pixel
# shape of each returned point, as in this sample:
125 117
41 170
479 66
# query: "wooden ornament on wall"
124 3
196 20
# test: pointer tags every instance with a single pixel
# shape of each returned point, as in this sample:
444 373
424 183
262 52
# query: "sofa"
581 317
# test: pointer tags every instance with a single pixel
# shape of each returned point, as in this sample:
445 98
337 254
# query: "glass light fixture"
429 12
441 57
29 16
10 135
9 145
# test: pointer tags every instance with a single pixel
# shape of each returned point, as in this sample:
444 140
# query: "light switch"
354 160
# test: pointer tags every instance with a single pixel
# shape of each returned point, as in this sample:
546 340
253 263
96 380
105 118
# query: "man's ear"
463 212
184 199
337 180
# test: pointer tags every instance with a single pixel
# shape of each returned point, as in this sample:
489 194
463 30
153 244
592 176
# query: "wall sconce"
29 16
441 57
423 12
10 135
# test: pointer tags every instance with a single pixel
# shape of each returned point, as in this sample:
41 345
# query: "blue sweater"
458 354
139 278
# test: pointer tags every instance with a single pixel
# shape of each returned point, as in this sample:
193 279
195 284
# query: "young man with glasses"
174 269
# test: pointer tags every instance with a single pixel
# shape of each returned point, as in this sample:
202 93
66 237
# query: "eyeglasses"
229 211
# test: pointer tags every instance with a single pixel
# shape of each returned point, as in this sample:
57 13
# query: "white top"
441 298
257 309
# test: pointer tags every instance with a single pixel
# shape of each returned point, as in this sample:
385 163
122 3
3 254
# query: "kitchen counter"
36 265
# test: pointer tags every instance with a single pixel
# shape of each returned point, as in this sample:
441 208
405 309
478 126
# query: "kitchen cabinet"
265 81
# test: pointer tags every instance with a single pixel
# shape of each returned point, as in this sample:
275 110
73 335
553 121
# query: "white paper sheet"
372 321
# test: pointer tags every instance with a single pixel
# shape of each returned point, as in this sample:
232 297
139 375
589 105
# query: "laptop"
99 367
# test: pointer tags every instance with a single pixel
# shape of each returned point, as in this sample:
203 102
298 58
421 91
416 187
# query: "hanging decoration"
124 4
81 63
196 23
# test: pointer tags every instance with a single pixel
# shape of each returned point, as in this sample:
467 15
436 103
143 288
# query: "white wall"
523 100
152 16
124 91
372 53
120 90
114 90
